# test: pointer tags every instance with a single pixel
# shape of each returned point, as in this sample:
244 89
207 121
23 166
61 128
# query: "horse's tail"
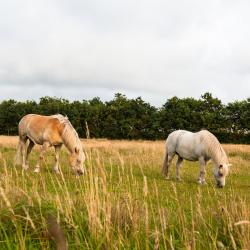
165 161
18 157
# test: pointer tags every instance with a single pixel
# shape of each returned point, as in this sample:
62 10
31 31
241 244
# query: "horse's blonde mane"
62 119
69 134
214 148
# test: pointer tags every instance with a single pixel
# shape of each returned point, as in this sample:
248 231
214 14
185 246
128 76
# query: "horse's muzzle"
79 172
219 185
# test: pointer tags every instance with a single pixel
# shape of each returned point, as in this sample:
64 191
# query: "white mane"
214 148
69 134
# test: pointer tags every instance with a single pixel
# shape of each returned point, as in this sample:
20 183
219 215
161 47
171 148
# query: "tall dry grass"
122 202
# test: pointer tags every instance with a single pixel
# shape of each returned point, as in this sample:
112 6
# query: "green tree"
8 117
179 113
129 118
212 113
95 116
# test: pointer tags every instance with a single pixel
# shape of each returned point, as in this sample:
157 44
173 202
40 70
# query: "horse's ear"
77 150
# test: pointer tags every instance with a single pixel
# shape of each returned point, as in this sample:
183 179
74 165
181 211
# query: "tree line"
124 118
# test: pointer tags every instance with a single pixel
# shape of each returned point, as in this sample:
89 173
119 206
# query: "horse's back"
185 143
25 119
23 123
40 128
173 139
175 136
33 120
188 137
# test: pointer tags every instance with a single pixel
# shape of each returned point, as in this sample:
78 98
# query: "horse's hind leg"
165 165
23 152
19 153
30 146
45 146
167 161
57 150
178 166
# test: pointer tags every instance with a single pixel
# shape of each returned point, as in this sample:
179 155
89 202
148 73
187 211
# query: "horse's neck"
69 146
71 139
218 156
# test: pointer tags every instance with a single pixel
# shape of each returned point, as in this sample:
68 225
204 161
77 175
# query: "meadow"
122 201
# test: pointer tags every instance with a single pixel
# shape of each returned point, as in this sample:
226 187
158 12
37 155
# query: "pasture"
123 201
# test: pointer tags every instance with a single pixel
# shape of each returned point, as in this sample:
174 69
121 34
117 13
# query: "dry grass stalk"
242 222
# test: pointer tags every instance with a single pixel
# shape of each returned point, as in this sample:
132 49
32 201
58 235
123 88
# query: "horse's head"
77 159
220 173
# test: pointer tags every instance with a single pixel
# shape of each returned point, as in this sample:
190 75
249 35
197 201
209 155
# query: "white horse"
201 146
54 130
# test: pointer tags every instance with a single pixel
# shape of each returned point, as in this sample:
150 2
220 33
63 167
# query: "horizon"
38 99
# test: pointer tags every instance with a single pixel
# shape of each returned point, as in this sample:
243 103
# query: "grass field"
122 202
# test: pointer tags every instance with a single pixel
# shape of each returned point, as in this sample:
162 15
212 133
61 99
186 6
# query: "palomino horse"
201 146
54 130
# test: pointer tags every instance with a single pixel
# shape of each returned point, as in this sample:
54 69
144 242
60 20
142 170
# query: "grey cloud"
154 49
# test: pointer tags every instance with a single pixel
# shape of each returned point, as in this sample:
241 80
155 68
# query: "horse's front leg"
178 166
45 146
201 178
57 151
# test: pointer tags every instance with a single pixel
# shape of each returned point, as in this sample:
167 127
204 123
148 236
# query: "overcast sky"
80 49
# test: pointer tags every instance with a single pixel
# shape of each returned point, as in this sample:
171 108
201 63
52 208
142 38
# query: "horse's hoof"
25 167
202 182
56 171
179 179
167 178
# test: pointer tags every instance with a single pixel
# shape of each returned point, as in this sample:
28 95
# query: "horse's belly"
191 158
188 155
36 137
39 137
36 140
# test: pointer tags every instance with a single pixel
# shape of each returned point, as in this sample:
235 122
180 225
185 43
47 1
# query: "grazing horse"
201 146
54 130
